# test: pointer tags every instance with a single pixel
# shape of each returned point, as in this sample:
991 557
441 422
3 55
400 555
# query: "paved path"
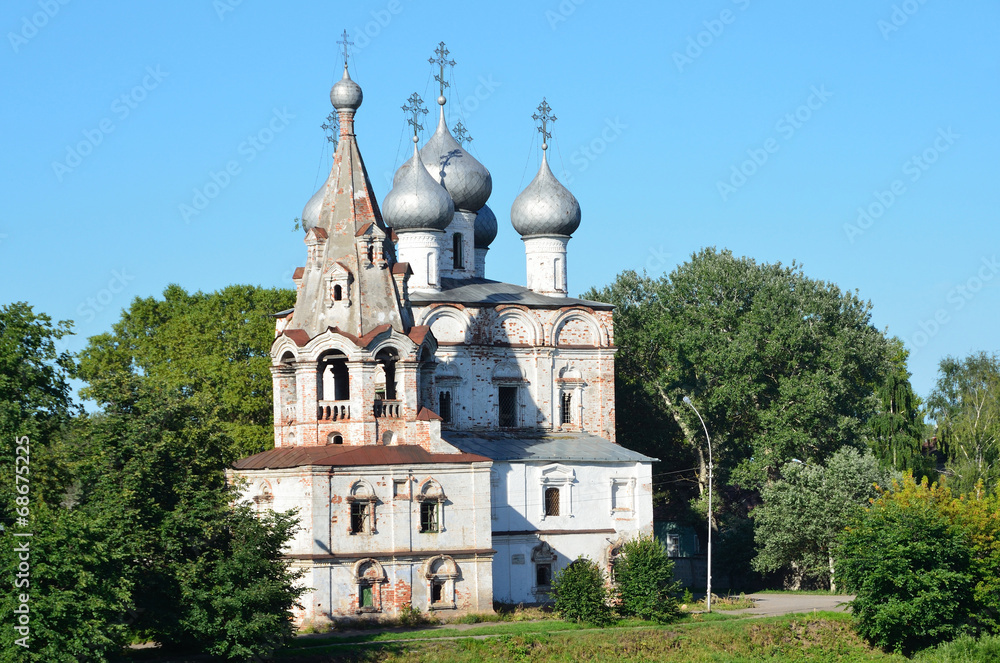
782 604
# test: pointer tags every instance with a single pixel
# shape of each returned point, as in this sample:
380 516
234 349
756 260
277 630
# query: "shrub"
964 649
911 569
581 593
644 575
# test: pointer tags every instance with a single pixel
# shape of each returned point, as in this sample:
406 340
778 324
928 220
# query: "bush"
964 649
644 575
911 569
581 593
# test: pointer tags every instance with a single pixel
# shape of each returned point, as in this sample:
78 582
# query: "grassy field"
696 639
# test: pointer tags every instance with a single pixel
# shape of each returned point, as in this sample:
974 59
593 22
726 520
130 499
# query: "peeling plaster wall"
330 553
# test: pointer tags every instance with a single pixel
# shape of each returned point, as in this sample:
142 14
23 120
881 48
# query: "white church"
448 440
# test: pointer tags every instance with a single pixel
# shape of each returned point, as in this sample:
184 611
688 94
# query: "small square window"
399 488
359 517
428 517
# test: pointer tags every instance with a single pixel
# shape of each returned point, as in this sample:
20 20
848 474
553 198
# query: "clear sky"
857 138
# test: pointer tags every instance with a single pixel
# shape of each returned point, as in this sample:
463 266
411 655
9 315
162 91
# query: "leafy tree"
207 572
781 366
581 593
212 347
965 406
644 575
911 568
803 514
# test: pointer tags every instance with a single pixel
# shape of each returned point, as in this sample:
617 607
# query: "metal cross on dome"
461 134
345 42
415 109
545 117
332 127
441 61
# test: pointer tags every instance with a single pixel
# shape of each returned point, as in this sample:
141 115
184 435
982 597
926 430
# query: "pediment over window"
558 474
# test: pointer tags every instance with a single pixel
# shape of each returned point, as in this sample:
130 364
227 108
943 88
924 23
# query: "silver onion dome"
345 93
545 207
485 228
310 213
416 202
466 180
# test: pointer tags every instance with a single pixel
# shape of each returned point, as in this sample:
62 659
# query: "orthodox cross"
416 109
543 115
441 61
332 127
344 40
461 134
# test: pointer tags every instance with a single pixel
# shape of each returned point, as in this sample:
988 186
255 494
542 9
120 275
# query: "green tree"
581 593
780 365
208 573
911 568
803 514
212 347
644 579
896 429
965 406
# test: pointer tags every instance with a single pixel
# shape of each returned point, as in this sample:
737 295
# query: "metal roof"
341 455
555 447
485 291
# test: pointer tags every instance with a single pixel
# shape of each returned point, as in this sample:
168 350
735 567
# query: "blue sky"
766 128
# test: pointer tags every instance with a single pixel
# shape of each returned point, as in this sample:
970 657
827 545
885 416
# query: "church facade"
448 440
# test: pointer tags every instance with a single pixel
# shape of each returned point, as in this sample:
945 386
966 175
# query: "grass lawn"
824 636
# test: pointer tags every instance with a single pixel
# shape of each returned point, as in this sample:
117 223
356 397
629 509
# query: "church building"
447 439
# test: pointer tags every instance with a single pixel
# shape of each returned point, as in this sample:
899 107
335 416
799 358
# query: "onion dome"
467 181
545 207
310 213
485 228
416 201
345 93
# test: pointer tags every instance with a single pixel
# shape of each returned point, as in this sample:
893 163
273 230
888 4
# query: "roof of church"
484 291
543 446
341 455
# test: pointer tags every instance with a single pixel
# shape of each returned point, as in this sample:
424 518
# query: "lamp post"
708 593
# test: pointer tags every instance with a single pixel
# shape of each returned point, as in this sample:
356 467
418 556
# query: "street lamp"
708 594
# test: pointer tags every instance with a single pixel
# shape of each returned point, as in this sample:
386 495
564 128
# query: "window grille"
551 501
359 517
567 407
429 517
508 407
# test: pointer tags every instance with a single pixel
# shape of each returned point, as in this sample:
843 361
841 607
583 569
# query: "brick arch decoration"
578 327
517 325
450 324
369 573
442 570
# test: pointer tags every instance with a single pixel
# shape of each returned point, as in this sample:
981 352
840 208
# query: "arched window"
334 438
567 407
338 293
458 257
334 379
